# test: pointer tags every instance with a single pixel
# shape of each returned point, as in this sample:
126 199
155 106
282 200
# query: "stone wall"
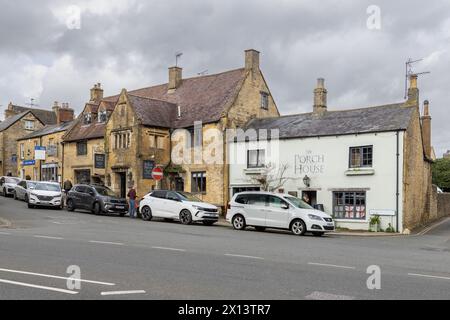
443 205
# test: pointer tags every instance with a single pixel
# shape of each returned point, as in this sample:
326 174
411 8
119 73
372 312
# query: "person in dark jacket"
67 186
132 202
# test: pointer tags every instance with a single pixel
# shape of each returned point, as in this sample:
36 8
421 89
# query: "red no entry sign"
157 174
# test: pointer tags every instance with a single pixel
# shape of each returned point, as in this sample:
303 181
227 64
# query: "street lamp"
307 181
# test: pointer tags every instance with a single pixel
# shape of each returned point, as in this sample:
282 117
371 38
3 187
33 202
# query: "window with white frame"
264 100
256 159
361 157
122 140
22 151
102 116
29 125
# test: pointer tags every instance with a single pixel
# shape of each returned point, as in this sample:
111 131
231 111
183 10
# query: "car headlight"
199 208
34 194
314 217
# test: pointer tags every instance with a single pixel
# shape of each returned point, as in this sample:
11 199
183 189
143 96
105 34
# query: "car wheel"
4 193
239 222
208 223
26 198
298 227
260 229
186 217
15 196
97 210
318 234
146 213
30 206
70 205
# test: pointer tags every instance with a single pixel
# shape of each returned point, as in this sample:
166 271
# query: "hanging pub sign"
149 165
100 161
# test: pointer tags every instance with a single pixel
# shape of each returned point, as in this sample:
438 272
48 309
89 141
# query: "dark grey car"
97 199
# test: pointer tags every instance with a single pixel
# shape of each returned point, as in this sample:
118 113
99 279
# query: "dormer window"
88 118
102 116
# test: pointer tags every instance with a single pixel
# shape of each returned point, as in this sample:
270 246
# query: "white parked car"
175 205
46 194
280 211
22 190
7 185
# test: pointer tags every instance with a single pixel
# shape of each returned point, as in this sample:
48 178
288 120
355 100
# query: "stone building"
354 164
84 142
140 132
49 138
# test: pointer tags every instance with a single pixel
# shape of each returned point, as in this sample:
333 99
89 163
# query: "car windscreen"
105 192
47 187
186 196
12 180
31 185
298 203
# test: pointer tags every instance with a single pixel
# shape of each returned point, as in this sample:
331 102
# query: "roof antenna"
409 72
205 72
177 57
32 104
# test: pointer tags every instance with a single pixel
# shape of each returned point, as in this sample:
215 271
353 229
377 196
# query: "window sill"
360 172
351 220
254 170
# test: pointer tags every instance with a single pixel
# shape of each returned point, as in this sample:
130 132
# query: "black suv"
97 199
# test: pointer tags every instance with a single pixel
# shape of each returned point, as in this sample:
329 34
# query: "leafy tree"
441 174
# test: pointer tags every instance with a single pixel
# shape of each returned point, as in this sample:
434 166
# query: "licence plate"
120 207
330 224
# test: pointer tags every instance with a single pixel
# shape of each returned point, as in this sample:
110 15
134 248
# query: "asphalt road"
121 258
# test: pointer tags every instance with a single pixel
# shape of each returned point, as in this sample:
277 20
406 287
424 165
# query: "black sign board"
100 161
149 165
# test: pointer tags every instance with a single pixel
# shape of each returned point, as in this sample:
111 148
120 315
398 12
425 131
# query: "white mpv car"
175 205
279 211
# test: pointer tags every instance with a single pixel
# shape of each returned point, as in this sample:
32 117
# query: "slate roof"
384 118
80 131
202 98
8 122
47 117
49 130
154 112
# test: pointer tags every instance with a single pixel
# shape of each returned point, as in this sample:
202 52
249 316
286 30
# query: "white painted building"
351 161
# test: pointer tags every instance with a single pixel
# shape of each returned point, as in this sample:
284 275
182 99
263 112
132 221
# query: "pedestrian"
132 202
67 186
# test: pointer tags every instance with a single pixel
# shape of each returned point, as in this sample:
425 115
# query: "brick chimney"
9 112
252 60
63 113
426 129
175 78
320 97
413 91
97 93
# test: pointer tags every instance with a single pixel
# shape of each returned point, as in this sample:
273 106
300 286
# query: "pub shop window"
256 159
349 205
198 182
82 148
361 157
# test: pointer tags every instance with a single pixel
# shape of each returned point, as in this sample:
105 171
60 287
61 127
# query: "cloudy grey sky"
131 43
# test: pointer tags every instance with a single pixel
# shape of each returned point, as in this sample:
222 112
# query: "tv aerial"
32 104
203 73
410 72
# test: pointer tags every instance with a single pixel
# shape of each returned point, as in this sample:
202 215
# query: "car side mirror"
285 206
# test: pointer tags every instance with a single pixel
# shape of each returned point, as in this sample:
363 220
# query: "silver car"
23 189
7 185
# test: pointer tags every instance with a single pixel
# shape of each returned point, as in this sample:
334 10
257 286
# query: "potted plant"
375 223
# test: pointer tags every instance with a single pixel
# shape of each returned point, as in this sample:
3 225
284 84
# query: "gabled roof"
47 117
8 122
383 118
203 98
153 112
49 130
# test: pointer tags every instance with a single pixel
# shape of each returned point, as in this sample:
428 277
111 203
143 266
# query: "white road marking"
169 249
5 233
55 277
330 265
423 232
29 285
327 296
243 256
116 293
48 237
428 276
106 242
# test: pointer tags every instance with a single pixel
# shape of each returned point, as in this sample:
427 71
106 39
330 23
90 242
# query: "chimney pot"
96 93
426 129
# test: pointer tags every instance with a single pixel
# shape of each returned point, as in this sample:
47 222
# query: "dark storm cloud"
131 43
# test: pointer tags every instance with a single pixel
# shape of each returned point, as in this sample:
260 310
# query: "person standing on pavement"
67 186
132 202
